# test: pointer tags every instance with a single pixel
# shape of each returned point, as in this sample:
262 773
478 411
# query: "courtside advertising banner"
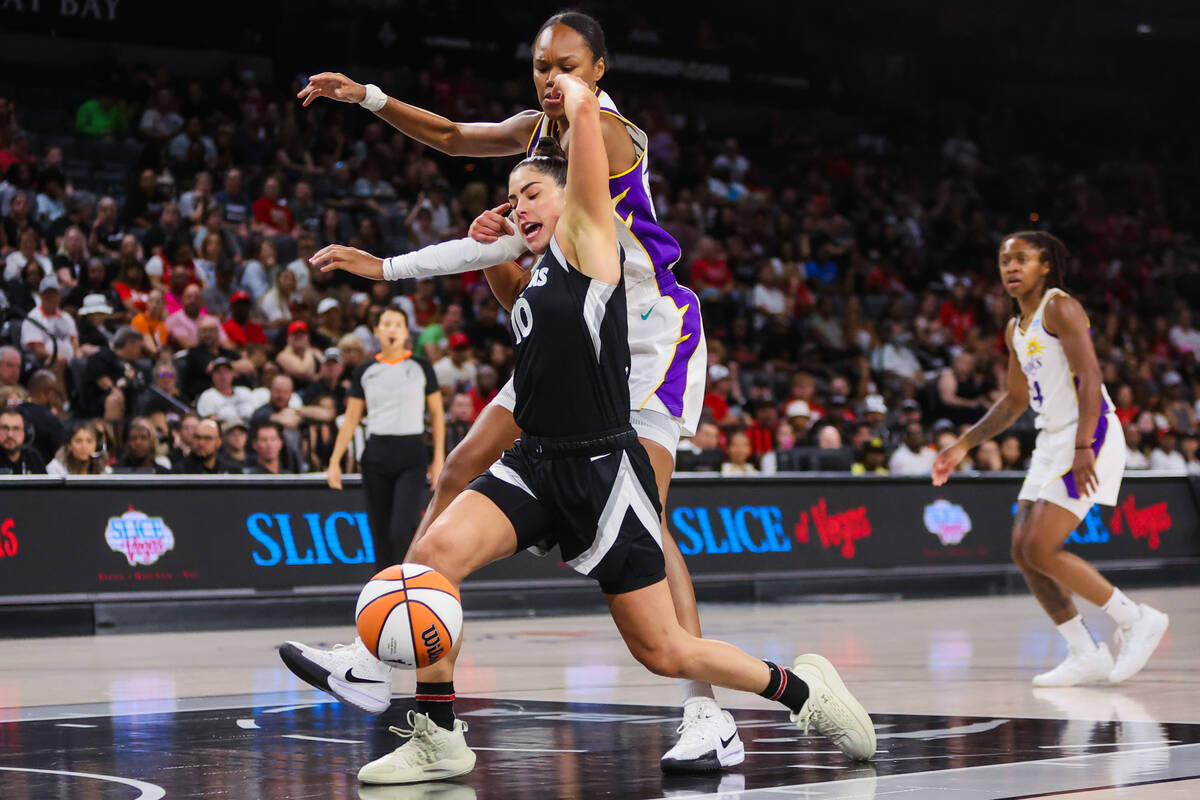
114 537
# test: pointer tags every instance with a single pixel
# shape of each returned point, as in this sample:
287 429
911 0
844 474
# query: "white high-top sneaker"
431 753
1138 642
348 672
1079 668
831 710
708 739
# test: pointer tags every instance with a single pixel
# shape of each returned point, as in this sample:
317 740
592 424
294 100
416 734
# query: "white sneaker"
431 753
348 672
708 739
1138 642
831 710
1079 668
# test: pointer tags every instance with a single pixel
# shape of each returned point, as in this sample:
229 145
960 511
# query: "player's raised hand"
491 224
333 85
350 259
946 462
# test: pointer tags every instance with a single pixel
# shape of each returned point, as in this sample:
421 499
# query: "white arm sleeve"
453 257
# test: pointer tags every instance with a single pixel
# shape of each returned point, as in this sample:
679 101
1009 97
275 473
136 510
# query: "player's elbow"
451 141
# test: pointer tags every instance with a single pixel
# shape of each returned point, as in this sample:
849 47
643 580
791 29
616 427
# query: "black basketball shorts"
595 498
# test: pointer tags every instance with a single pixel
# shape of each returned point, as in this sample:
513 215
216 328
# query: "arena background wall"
130 553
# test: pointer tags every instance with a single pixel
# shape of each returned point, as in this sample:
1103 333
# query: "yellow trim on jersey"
536 128
680 339
637 163
628 221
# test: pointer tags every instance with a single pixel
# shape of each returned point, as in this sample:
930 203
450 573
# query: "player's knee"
436 550
1018 552
1040 555
661 658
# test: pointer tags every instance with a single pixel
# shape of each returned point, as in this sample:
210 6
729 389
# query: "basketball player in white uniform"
1078 461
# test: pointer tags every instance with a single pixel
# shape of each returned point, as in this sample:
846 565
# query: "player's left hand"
1084 470
491 224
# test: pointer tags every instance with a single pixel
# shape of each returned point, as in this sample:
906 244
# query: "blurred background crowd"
161 313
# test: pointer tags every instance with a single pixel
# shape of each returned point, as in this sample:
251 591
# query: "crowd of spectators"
851 301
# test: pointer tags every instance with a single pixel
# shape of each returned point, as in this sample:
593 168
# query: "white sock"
697 689
1123 611
1078 637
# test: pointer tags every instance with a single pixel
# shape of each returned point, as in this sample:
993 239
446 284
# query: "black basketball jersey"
572 351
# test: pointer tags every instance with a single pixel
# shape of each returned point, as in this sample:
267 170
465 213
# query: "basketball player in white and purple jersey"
668 353
1077 462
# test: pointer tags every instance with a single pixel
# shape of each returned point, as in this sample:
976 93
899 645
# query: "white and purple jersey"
666 339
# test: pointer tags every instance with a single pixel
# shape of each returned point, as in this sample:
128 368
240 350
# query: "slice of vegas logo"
140 538
947 521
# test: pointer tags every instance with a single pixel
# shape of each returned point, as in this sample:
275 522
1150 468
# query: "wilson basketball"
409 616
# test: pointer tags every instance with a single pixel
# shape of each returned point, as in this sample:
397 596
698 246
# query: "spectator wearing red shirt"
762 430
716 398
270 215
16 152
710 272
957 314
1127 409
240 329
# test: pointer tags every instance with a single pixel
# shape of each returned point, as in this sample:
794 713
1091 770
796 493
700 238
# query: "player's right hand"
946 462
491 225
333 85
350 259
333 476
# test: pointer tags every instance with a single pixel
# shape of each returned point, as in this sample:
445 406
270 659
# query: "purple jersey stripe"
1097 443
674 384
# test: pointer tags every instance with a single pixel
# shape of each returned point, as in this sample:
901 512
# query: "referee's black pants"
393 472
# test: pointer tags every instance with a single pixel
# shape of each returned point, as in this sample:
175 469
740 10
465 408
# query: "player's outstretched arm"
587 220
444 258
1003 413
505 138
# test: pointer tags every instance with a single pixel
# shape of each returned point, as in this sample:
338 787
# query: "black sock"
784 687
436 700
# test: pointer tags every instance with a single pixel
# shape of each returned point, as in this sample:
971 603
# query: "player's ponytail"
547 158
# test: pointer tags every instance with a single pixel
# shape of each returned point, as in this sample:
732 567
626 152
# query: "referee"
394 392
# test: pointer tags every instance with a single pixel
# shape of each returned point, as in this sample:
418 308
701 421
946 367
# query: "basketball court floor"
558 709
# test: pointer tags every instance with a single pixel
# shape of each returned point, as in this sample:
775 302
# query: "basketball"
409 616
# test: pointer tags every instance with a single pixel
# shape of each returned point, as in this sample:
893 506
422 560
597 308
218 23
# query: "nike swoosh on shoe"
352 678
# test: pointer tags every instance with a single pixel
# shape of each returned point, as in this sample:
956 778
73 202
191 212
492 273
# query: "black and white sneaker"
348 672
708 739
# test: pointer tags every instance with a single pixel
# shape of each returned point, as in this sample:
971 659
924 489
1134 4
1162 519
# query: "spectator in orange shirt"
151 322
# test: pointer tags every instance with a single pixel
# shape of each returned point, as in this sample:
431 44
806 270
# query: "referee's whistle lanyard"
404 356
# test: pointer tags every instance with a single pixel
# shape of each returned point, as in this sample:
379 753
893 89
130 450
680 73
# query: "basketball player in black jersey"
578 477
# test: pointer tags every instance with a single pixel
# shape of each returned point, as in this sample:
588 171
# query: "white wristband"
374 99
